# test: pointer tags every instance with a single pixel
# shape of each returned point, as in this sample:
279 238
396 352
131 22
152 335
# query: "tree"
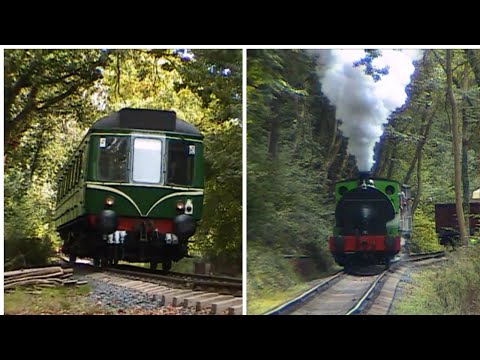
457 149
40 82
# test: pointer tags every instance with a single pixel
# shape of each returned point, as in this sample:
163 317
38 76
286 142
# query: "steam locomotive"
372 220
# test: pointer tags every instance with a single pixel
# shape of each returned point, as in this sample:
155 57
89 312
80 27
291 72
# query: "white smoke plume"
362 104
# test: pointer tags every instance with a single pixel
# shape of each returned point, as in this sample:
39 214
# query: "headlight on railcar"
180 206
109 201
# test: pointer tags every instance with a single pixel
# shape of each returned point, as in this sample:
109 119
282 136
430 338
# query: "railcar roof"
146 119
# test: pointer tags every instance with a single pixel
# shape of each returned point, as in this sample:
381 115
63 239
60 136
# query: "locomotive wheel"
153 265
167 265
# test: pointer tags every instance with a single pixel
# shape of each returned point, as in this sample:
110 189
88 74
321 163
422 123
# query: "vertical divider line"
244 179
2 229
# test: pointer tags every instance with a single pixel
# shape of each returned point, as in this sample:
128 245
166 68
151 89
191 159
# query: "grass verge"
273 280
452 288
59 300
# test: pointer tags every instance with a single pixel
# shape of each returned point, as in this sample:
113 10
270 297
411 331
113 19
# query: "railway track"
301 299
222 295
424 256
345 294
220 284
348 295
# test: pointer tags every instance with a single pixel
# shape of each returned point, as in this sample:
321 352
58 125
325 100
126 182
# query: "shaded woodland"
53 96
296 153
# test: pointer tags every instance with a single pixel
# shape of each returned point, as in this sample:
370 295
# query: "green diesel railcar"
133 189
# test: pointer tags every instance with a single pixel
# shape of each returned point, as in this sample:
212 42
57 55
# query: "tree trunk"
274 133
299 129
36 156
420 145
419 183
465 141
457 151
384 155
334 133
409 173
474 64
332 156
465 184
391 165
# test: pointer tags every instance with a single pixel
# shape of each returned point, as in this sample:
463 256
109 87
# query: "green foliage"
47 106
221 234
450 289
290 208
29 235
268 271
406 128
30 189
216 77
371 70
41 82
424 237
26 252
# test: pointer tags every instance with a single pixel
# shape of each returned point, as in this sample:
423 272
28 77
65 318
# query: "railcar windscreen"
113 158
180 162
147 160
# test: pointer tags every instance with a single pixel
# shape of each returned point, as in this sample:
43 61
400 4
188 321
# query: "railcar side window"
113 158
147 160
78 167
60 190
181 156
69 179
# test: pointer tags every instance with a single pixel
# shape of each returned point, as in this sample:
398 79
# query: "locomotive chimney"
363 179
364 175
